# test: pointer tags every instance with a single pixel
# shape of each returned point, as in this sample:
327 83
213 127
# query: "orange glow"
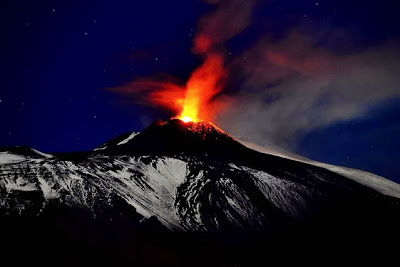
204 83
192 102
198 99
186 119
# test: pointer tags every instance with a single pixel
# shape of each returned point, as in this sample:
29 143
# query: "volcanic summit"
185 177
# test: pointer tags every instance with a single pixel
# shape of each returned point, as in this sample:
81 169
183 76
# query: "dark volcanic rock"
182 191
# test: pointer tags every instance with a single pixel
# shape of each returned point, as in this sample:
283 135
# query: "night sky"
60 61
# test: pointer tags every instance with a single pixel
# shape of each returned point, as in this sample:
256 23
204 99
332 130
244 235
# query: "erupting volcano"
188 178
204 83
193 100
189 102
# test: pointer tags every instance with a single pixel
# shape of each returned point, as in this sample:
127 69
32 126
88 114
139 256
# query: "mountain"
183 190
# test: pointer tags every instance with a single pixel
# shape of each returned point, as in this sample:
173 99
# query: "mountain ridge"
186 185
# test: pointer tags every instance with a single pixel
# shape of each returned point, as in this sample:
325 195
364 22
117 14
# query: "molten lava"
204 83
189 102
186 119
197 99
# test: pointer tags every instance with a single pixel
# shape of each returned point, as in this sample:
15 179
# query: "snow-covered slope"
119 140
183 193
191 177
371 180
7 158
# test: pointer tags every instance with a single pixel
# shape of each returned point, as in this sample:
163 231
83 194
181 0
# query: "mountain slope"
375 182
186 177
190 176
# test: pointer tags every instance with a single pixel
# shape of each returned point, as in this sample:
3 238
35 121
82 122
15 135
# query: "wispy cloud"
292 86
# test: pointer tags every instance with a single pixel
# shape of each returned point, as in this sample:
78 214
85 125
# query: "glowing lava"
191 102
198 99
186 119
204 83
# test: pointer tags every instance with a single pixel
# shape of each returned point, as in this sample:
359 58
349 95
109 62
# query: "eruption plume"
190 102
203 84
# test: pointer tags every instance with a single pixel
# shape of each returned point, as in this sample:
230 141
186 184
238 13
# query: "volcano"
182 190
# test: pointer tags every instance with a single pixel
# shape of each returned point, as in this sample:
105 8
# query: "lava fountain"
204 83
195 100
190 102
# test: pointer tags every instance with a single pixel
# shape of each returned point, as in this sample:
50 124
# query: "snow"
175 191
370 180
47 190
100 148
238 202
150 188
8 158
19 185
284 194
154 191
128 138
42 154
75 177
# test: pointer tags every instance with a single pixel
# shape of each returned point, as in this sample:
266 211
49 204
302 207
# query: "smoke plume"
292 86
278 89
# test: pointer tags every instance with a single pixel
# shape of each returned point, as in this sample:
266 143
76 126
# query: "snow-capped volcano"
187 177
173 137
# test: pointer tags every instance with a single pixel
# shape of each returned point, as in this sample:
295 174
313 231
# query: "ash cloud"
292 86
280 89
228 19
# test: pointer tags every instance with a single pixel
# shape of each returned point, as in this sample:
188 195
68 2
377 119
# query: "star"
317 4
95 116
1 101
86 33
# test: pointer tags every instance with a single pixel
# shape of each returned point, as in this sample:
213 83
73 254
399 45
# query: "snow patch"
42 154
48 192
151 189
130 137
375 182
19 184
100 148
284 194
8 158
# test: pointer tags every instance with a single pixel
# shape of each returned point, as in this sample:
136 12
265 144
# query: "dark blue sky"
59 57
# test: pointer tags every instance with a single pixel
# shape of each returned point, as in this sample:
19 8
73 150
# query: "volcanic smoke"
202 85
191 101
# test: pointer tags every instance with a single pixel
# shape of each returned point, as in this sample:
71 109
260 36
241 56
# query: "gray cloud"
292 87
